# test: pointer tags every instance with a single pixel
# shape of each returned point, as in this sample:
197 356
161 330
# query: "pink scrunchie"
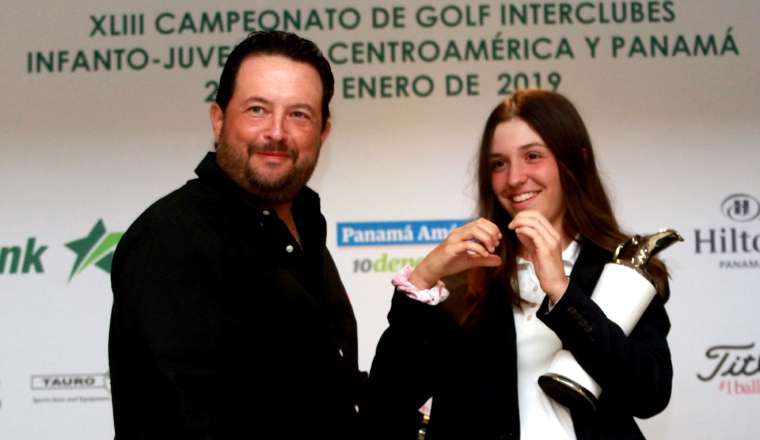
433 296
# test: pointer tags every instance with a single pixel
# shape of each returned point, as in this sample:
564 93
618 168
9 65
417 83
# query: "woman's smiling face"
524 172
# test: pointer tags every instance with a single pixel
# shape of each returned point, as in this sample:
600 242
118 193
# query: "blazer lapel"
588 267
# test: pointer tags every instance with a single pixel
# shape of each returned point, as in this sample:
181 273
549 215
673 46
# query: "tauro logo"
69 381
741 207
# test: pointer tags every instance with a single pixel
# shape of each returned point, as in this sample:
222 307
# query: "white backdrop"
83 141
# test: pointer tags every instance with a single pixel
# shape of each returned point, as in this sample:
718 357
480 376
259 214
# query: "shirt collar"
570 254
306 200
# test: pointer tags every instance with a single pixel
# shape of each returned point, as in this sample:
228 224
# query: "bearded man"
229 318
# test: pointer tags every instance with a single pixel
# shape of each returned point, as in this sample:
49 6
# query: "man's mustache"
273 147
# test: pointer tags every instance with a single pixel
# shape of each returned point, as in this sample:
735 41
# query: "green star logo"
96 248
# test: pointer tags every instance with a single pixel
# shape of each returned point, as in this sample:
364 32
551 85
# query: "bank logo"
396 233
28 258
96 248
741 207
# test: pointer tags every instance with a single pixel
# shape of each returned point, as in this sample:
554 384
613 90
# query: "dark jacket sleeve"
635 372
168 324
404 368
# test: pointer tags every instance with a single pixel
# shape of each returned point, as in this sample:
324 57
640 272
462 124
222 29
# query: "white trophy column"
623 294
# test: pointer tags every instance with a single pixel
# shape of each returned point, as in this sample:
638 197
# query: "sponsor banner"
47 382
22 259
733 369
106 110
71 388
741 208
735 243
390 262
396 232
95 249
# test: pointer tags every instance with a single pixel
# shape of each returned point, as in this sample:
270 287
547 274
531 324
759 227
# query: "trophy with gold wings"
623 292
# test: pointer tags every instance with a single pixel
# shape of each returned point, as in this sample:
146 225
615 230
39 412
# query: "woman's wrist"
432 295
421 278
556 290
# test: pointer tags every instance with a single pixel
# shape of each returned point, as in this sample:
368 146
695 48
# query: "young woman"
520 278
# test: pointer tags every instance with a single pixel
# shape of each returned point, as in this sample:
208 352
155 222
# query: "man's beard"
287 186
279 190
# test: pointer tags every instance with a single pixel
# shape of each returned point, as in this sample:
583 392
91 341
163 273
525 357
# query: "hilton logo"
740 244
741 207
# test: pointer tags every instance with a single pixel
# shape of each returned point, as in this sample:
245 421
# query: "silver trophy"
623 292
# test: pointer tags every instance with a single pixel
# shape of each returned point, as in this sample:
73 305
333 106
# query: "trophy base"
568 393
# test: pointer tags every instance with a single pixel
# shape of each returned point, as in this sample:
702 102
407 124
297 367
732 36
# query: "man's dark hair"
276 43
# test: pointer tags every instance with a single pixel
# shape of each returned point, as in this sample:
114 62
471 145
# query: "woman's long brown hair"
588 209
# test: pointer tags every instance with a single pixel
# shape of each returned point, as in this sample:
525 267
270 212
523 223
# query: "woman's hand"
543 245
468 246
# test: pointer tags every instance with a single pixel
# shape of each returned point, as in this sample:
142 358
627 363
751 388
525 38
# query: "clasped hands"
474 245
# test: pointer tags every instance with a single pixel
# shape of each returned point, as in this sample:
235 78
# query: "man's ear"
326 132
217 120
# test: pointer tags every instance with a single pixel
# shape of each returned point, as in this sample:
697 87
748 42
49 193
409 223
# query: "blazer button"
289 248
571 310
